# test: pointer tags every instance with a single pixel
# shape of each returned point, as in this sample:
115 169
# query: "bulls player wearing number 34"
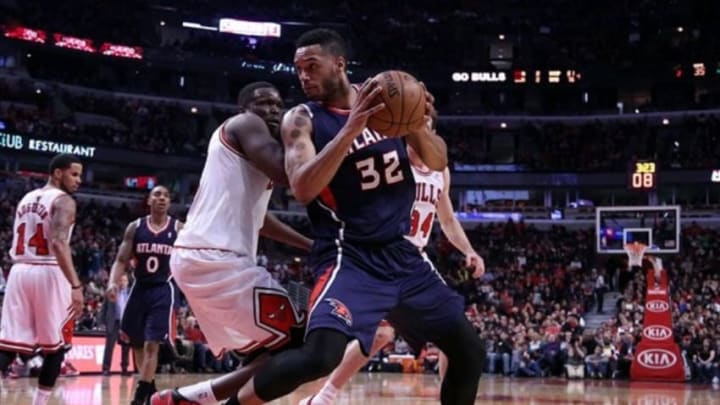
43 293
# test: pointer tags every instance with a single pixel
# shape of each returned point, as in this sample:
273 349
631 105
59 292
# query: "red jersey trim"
226 142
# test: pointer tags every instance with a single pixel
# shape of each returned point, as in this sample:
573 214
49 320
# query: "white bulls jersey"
428 187
230 205
31 231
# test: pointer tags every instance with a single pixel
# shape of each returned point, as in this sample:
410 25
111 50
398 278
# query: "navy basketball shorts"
357 286
148 315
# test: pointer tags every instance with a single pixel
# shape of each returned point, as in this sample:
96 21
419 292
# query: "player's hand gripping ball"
404 99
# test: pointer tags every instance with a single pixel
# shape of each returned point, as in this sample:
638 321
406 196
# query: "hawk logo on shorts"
340 310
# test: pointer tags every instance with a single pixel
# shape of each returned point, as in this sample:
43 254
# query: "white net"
635 252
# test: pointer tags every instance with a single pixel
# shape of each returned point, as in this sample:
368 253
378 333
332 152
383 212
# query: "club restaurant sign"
27 143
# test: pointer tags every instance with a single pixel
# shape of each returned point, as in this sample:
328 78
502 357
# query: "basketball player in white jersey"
43 292
431 197
238 304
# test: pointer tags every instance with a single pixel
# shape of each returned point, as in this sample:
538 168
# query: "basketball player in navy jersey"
146 320
359 190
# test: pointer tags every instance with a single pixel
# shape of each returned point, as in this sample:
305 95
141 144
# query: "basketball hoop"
635 252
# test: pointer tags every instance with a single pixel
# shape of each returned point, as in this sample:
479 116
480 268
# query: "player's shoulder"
300 110
243 121
133 225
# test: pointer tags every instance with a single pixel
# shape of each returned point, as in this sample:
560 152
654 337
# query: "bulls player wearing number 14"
146 320
43 292
431 198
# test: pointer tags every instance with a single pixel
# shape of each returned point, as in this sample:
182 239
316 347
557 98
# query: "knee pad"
50 369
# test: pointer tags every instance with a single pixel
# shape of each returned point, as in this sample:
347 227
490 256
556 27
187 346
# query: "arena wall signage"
252 28
21 143
27 143
517 76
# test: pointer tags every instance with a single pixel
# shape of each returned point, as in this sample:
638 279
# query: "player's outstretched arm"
119 267
308 171
275 229
62 220
429 146
253 137
454 231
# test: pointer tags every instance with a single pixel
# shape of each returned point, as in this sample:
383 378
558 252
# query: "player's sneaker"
170 397
315 400
68 370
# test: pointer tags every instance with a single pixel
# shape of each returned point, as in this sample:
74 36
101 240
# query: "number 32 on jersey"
389 173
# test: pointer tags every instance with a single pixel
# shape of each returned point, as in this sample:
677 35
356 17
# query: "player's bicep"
296 135
125 251
62 218
259 146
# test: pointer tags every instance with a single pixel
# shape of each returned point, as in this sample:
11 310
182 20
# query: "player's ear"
341 63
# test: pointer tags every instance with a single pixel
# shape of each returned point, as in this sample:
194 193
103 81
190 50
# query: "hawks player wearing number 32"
146 320
43 292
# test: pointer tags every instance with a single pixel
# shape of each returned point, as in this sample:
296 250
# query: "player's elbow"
59 245
302 197
301 190
437 163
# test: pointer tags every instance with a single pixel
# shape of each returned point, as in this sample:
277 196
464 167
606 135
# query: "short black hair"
328 39
246 94
63 161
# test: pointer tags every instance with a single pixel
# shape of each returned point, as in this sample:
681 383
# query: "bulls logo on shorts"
275 313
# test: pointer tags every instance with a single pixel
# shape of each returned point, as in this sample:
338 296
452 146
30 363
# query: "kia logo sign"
656 359
657 332
657 306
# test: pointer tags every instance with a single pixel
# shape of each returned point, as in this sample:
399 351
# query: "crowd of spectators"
530 308
688 143
169 127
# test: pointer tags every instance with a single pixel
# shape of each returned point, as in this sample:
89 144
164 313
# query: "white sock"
201 393
41 397
328 393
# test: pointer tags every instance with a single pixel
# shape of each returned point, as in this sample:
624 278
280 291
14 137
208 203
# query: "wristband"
77 287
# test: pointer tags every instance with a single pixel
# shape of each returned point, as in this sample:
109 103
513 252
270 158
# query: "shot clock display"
642 175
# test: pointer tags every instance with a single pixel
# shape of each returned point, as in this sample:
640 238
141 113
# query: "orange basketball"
404 100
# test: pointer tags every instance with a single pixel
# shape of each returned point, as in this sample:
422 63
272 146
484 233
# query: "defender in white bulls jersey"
238 304
43 292
431 197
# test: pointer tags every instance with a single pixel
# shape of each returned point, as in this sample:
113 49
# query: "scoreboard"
642 175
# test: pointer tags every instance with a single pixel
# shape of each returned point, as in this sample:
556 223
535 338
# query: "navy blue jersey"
371 196
152 249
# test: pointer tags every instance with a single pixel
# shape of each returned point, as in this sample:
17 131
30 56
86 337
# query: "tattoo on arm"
62 219
295 143
125 251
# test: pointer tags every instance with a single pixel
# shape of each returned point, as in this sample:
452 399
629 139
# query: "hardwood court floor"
380 389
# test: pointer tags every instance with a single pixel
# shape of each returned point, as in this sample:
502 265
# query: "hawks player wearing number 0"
148 313
43 290
431 197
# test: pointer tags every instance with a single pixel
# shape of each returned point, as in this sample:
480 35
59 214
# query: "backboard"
656 226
